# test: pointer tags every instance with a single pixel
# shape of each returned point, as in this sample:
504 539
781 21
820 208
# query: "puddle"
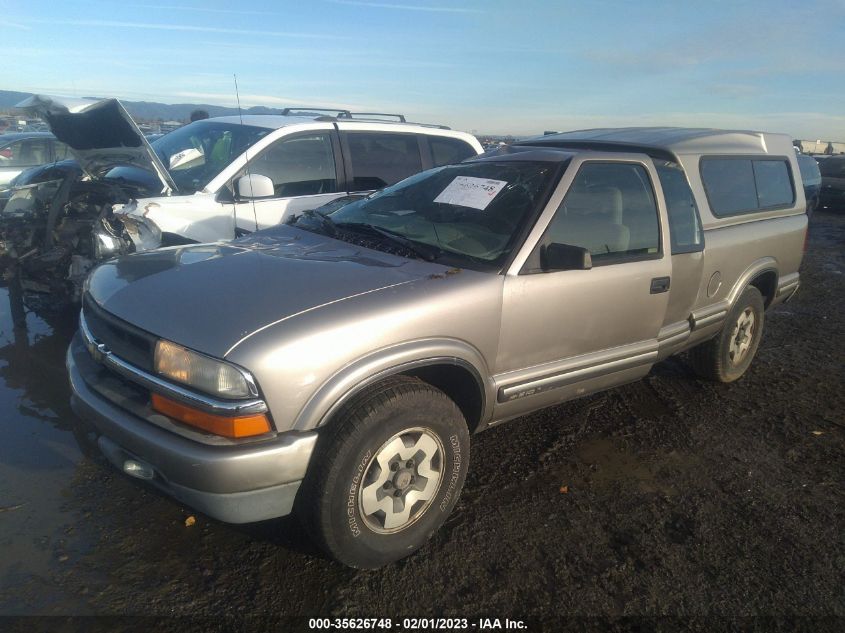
39 457
605 466
610 465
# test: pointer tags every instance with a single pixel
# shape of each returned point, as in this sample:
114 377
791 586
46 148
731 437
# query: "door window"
380 159
609 210
298 166
684 225
832 167
446 151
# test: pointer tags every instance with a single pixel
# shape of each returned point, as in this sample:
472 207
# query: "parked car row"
335 365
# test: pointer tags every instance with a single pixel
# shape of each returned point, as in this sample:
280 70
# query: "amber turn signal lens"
234 427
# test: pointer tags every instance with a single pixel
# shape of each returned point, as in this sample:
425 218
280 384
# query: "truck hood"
100 133
208 297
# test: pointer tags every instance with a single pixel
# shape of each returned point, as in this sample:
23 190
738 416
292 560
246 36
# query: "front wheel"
386 473
727 356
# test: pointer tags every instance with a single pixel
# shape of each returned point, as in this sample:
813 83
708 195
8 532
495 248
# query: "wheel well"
767 284
459 384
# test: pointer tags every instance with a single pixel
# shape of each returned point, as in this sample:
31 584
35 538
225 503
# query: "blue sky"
517 66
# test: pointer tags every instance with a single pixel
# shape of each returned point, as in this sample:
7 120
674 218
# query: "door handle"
659 284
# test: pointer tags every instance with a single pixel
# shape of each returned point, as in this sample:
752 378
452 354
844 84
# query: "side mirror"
254 187
565 257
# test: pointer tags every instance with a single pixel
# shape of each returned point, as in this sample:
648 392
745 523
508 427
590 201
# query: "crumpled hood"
209 296
101 134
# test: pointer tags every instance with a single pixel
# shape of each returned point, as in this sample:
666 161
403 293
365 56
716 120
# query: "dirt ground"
668 497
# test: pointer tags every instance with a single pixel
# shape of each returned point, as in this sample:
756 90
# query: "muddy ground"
670 496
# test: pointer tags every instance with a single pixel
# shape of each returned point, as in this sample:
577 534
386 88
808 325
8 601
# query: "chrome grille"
126 341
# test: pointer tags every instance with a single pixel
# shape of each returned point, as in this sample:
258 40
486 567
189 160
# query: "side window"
380 159
61 151
729 184
609 210
684 225
299 166
745 185
832 167
774 187
25 153
446 151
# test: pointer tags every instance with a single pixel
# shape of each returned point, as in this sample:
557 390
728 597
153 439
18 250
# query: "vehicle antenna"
246 156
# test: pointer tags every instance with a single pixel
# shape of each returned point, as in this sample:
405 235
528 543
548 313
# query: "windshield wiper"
326 223
424 251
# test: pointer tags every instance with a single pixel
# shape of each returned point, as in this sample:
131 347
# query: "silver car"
338 365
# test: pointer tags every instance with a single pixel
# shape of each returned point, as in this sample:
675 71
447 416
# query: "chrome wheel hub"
742 336
401 480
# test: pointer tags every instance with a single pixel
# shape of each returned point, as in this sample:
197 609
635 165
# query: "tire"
727 356
386 473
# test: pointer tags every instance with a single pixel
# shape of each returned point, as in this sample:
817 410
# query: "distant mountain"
150 110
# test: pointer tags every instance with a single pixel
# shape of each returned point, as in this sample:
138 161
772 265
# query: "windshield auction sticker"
466 191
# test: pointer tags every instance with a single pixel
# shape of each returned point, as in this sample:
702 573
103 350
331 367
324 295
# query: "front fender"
341 386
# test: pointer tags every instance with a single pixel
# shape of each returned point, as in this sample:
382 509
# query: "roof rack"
341 113
433 125
345 114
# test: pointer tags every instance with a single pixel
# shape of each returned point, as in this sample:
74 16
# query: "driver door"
566 333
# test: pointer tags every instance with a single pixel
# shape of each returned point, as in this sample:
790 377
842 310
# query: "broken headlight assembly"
104 244
121 234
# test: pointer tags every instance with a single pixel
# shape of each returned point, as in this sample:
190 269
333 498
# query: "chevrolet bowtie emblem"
98 351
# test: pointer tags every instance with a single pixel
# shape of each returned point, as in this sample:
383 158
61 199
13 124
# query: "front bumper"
238 483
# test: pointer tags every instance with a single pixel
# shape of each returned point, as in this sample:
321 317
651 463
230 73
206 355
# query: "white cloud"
249 100
406 7
15 25
797 124
198 9
188 27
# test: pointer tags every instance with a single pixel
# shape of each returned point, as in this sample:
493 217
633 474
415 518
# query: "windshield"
196 153
470 213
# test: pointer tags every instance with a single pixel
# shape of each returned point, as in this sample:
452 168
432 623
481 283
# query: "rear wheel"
386 473
727 356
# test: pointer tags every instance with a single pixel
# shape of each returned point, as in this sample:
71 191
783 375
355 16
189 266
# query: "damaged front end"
67 217
53 233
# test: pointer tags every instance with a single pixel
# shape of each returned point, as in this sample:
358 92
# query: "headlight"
143 232
105 245
201 372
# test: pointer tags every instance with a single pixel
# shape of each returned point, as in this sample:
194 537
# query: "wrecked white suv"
213 180
238 174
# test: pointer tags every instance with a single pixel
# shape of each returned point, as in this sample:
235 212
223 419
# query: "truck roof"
669 140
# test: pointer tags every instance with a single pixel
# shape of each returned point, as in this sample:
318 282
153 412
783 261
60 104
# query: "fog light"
137 469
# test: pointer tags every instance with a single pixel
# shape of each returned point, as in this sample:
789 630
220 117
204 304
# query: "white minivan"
226 176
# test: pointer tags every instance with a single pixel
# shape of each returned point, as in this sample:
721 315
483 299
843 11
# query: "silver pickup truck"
338 365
